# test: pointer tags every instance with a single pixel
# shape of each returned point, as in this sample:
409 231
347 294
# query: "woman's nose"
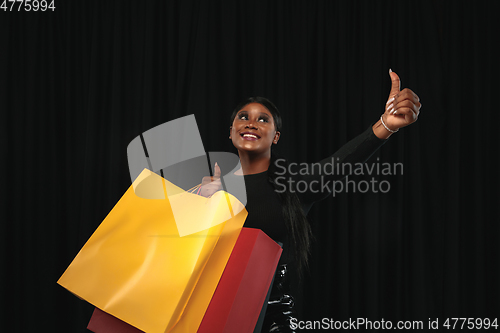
251 125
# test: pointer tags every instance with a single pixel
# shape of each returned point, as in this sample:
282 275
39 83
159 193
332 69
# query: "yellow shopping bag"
138 268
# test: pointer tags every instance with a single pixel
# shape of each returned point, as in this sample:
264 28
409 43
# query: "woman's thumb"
217 172
396 83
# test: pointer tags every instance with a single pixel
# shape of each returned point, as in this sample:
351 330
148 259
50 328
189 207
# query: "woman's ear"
230 129
276 137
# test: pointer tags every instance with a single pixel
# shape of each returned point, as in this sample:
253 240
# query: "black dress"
265 213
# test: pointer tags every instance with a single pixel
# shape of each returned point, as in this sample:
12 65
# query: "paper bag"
137 268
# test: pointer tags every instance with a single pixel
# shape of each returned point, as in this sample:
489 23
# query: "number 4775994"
27 5
470 323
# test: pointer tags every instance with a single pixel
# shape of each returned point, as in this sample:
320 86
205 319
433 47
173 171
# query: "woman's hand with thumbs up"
402 109
210 185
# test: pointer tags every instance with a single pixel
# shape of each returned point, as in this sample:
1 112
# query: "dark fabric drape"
79 83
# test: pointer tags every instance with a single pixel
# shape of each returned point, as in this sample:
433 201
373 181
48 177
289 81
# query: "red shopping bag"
244 285
104 322
240 294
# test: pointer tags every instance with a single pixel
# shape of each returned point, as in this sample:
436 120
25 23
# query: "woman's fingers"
406 94
406 99
209 189
406 104
207 180
406 112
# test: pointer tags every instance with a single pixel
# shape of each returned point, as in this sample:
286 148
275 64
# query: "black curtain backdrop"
79 83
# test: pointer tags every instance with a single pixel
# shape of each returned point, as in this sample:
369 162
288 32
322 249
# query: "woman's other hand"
402 109
210 185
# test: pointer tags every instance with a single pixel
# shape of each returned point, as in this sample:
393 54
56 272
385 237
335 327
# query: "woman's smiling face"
253 129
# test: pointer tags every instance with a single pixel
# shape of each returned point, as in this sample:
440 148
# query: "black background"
78 84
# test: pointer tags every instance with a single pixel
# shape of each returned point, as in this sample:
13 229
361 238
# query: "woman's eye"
244 116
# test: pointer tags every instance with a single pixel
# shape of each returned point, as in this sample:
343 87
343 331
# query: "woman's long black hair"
299 230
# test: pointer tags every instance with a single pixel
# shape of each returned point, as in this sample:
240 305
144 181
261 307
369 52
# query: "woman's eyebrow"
261 113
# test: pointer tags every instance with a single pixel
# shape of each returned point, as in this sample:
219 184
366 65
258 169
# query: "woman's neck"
252 164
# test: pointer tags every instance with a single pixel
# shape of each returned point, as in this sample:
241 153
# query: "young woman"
273 204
